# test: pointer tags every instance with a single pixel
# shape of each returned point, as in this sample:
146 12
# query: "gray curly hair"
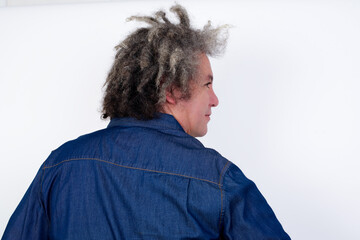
155 59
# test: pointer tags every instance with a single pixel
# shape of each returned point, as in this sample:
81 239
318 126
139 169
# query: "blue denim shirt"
141 180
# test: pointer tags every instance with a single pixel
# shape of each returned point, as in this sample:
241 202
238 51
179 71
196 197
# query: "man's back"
133 180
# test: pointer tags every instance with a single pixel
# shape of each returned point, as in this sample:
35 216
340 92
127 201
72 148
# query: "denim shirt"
141 180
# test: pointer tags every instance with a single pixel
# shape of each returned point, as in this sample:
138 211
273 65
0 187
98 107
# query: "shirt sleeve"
246 214
29 220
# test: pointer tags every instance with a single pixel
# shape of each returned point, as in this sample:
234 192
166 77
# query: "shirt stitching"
40 195
129 167
221 194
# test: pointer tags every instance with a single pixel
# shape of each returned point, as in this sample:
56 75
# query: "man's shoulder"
215 161
85 146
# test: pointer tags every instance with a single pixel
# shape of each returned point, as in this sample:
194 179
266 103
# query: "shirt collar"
162 121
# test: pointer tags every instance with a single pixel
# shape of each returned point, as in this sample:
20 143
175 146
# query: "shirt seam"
40 195
129 167
221 194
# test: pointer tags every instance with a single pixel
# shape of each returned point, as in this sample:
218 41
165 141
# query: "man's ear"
170 98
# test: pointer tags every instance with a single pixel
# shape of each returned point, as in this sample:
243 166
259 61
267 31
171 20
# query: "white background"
288 87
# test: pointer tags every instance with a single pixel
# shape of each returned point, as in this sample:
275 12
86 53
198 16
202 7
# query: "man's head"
155 61
194 113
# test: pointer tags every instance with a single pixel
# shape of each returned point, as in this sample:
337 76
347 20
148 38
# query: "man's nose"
214 100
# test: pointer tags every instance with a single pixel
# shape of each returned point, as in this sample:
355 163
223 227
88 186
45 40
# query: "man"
145 176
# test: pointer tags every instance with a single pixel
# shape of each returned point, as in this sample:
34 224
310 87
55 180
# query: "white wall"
288 88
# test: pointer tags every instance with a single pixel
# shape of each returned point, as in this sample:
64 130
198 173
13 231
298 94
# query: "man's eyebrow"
211 77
